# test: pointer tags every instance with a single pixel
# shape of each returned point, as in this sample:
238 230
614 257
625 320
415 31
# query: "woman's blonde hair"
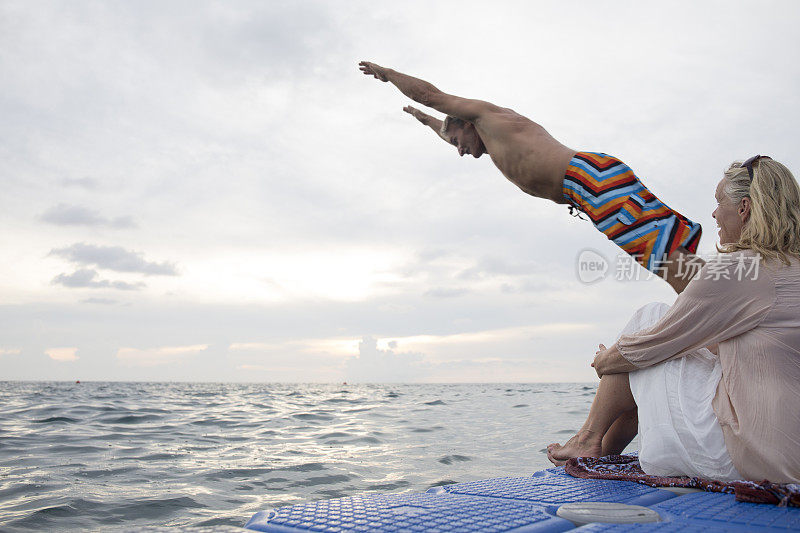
773 229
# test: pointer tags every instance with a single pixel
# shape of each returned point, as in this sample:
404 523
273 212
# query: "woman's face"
730 216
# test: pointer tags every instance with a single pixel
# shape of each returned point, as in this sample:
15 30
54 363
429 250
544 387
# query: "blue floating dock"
525 504
711 512
411 512
551 487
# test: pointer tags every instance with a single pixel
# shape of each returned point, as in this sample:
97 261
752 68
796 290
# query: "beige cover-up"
751 309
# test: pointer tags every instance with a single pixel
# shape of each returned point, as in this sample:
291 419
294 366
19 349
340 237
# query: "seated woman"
713 382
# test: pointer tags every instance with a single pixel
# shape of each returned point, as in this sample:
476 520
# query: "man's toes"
553 447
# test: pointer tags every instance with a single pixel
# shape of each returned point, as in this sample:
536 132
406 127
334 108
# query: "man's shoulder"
501 112
503 117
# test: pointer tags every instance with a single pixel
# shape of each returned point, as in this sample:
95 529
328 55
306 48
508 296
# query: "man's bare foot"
583 444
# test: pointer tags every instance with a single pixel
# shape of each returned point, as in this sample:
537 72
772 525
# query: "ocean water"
107 456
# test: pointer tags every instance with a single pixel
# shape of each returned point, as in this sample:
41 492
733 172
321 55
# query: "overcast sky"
212 191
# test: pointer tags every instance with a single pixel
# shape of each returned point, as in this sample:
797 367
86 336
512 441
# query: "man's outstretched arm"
427 94
432 122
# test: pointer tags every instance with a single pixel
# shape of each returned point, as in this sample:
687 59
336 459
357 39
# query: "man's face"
728 216
466 139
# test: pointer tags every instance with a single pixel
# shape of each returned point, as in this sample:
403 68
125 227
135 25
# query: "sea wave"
93 456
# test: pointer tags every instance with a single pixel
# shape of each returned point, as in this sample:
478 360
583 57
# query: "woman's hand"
610 361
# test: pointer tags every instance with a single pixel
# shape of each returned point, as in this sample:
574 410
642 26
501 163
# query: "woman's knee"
645 316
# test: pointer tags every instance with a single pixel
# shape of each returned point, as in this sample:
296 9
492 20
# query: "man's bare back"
524 152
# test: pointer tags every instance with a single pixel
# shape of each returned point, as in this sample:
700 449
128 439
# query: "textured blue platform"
553 488
525 504
660 527
712 512
411 512
182 529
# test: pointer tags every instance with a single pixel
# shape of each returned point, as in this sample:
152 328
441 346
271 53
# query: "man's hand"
432 122
427 94
371 69
610 361
419 115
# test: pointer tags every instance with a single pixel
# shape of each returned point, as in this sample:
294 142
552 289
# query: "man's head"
462 135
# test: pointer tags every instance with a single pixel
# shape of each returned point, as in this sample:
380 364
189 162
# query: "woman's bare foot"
584 444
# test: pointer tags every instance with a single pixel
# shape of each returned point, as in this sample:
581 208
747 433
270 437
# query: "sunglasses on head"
749 164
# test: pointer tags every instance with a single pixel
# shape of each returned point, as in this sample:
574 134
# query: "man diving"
600 186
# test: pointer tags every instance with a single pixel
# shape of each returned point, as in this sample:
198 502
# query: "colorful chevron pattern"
621 207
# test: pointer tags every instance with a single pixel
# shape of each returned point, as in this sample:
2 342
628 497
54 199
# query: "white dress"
679 433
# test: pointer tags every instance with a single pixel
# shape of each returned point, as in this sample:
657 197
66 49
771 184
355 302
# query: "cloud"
295 360
74 215
100 301
113 258
490 266
535 285
158 356
84 183
281 39
10 351
492 340
375 365
62 354
85 278
330 347
446 292
450 274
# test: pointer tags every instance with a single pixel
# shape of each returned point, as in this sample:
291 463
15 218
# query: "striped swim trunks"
621 207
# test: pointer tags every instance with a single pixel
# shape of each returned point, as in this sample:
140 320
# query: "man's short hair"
451 121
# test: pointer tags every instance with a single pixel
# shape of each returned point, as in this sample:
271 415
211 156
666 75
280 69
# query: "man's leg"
612 400
679 269
610 194
617 203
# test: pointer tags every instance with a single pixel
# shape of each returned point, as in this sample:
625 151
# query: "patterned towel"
626 468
